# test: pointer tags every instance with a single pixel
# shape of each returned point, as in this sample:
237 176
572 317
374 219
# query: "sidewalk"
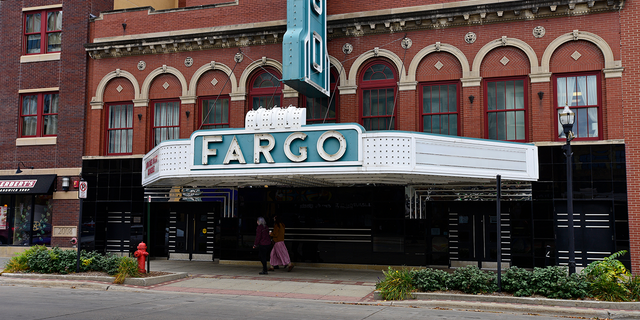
331 285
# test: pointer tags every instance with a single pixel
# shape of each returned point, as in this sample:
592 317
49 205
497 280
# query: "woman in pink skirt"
279 253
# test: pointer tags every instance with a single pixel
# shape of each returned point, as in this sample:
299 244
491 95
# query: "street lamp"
567 118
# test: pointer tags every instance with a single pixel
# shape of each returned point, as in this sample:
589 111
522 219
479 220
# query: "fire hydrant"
141 254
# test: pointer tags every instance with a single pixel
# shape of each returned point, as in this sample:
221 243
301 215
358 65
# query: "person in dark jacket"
263 243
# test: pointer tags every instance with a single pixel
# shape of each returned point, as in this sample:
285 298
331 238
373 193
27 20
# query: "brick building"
475 69
42 96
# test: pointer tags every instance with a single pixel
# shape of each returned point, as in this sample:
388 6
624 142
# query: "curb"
571 308
150 281
522 308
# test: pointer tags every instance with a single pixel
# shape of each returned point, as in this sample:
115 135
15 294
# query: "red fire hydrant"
141 254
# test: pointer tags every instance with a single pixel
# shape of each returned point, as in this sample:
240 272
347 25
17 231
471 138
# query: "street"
24 303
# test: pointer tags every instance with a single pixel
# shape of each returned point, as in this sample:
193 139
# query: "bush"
55 260
518 282
108 263
396 284
127 267
554 282
608 278
20 262
430 279
634 288
471 279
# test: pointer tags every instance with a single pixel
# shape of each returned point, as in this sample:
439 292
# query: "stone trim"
97 100
347 89
22 91
193 84
407 86
501 42
57 171
65 195
37 141
612 68
146 85
51 6
40 57
371 54
438 47
265 62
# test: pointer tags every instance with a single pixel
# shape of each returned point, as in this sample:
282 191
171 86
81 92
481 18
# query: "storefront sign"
27 184
11 186
305 61
309 146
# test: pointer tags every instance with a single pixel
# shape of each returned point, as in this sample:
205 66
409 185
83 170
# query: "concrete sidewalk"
330 285
301 282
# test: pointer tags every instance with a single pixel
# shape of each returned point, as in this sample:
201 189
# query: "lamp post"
567 118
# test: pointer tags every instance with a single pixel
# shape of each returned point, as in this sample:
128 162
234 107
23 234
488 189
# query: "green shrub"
127 267
108 263
634 288
608 278
20 261
554 282
471 279
518 282
396 284
430 279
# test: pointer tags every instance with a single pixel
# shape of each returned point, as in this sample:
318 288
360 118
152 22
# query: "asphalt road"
24 303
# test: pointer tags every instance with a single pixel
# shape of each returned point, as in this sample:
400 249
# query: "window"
378 88
580 93
39 115
317 107
440 109
166 121
120 129
506 105
214 113
43 31
266 90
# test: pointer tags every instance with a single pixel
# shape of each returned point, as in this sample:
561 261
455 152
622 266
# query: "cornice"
451 15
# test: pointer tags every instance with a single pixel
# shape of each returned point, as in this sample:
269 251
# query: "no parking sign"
82 193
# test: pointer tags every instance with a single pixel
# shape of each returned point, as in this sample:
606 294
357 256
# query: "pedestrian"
279 253
263 243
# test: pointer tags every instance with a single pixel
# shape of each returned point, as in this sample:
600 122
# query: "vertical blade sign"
305 61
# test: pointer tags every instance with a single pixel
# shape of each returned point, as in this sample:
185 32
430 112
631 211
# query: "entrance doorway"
191 233
473 239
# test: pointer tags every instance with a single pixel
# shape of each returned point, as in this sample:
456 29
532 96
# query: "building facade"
43 99
491 71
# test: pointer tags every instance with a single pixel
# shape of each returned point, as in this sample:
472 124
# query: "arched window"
377 94
317 107
266 90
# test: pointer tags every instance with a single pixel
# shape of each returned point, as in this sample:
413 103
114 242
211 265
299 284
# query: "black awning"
27 184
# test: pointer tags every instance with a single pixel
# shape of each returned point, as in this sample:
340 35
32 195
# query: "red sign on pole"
82 193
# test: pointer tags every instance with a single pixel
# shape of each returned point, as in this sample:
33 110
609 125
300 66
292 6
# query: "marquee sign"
305 61
337 145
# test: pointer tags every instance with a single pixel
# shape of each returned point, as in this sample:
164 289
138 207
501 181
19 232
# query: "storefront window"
4 219
22 220
42 220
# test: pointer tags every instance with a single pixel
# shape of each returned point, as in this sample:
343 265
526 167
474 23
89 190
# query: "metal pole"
149 234
79 242
572 248
499 244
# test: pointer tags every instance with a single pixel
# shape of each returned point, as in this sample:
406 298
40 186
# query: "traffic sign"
82 193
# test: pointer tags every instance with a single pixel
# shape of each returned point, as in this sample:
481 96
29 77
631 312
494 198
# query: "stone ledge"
149 281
